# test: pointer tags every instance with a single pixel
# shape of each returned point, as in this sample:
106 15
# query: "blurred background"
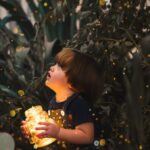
115 33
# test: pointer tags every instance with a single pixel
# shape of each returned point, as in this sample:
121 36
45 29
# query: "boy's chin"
46 83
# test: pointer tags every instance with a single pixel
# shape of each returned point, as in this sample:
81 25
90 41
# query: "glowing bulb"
45 4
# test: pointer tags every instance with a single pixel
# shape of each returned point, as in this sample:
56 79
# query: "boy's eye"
52 64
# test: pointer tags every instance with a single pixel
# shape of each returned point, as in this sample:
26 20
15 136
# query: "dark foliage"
114 33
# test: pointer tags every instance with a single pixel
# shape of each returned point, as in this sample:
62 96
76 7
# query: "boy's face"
56 78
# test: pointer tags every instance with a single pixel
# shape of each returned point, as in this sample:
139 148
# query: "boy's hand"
24 130
49 130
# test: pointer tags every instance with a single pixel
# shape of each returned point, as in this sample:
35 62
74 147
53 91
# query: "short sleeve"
80 112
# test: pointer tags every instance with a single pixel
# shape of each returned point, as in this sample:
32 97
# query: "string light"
12 113
90 109
102 2
15 30
114 63
102 142
93 114
96 118
121 136
105 50
114 78
126 140
45 4
21 93
140 147
147 86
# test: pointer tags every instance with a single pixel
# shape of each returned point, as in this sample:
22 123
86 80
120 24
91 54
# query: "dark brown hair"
82 71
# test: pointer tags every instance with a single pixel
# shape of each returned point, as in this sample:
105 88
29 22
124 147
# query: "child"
76 80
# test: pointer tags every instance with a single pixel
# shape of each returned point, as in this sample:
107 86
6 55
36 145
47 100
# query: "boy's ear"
69 86
72 88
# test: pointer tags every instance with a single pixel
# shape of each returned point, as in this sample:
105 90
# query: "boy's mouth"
48 75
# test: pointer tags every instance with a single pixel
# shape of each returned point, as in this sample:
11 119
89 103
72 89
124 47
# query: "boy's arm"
82 134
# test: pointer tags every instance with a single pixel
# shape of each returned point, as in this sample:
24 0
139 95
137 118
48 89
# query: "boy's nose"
52 68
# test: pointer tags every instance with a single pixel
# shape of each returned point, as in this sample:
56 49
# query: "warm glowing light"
12 113
147 86
102 2
16 30
140 147
121 136
102 142
45 4
114 78
21 93
34 115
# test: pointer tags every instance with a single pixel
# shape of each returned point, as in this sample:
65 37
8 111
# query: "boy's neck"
62 96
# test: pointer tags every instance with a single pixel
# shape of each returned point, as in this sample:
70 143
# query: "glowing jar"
34 115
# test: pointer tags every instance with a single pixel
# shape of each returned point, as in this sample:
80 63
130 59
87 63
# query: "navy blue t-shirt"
68 114
74 109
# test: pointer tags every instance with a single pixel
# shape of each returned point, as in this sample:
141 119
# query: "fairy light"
93 114
114 78
126 140
21 93
105 51
102 2
140 147
45 4
102 142
90 109
12 113
96 118
62 113
147 86
15 30
114 63
121 136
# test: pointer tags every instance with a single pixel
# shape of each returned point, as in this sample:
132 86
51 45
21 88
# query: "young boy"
76 80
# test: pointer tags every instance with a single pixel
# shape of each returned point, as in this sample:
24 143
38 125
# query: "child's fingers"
23 122
24 129
42 128
44 123
42 135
